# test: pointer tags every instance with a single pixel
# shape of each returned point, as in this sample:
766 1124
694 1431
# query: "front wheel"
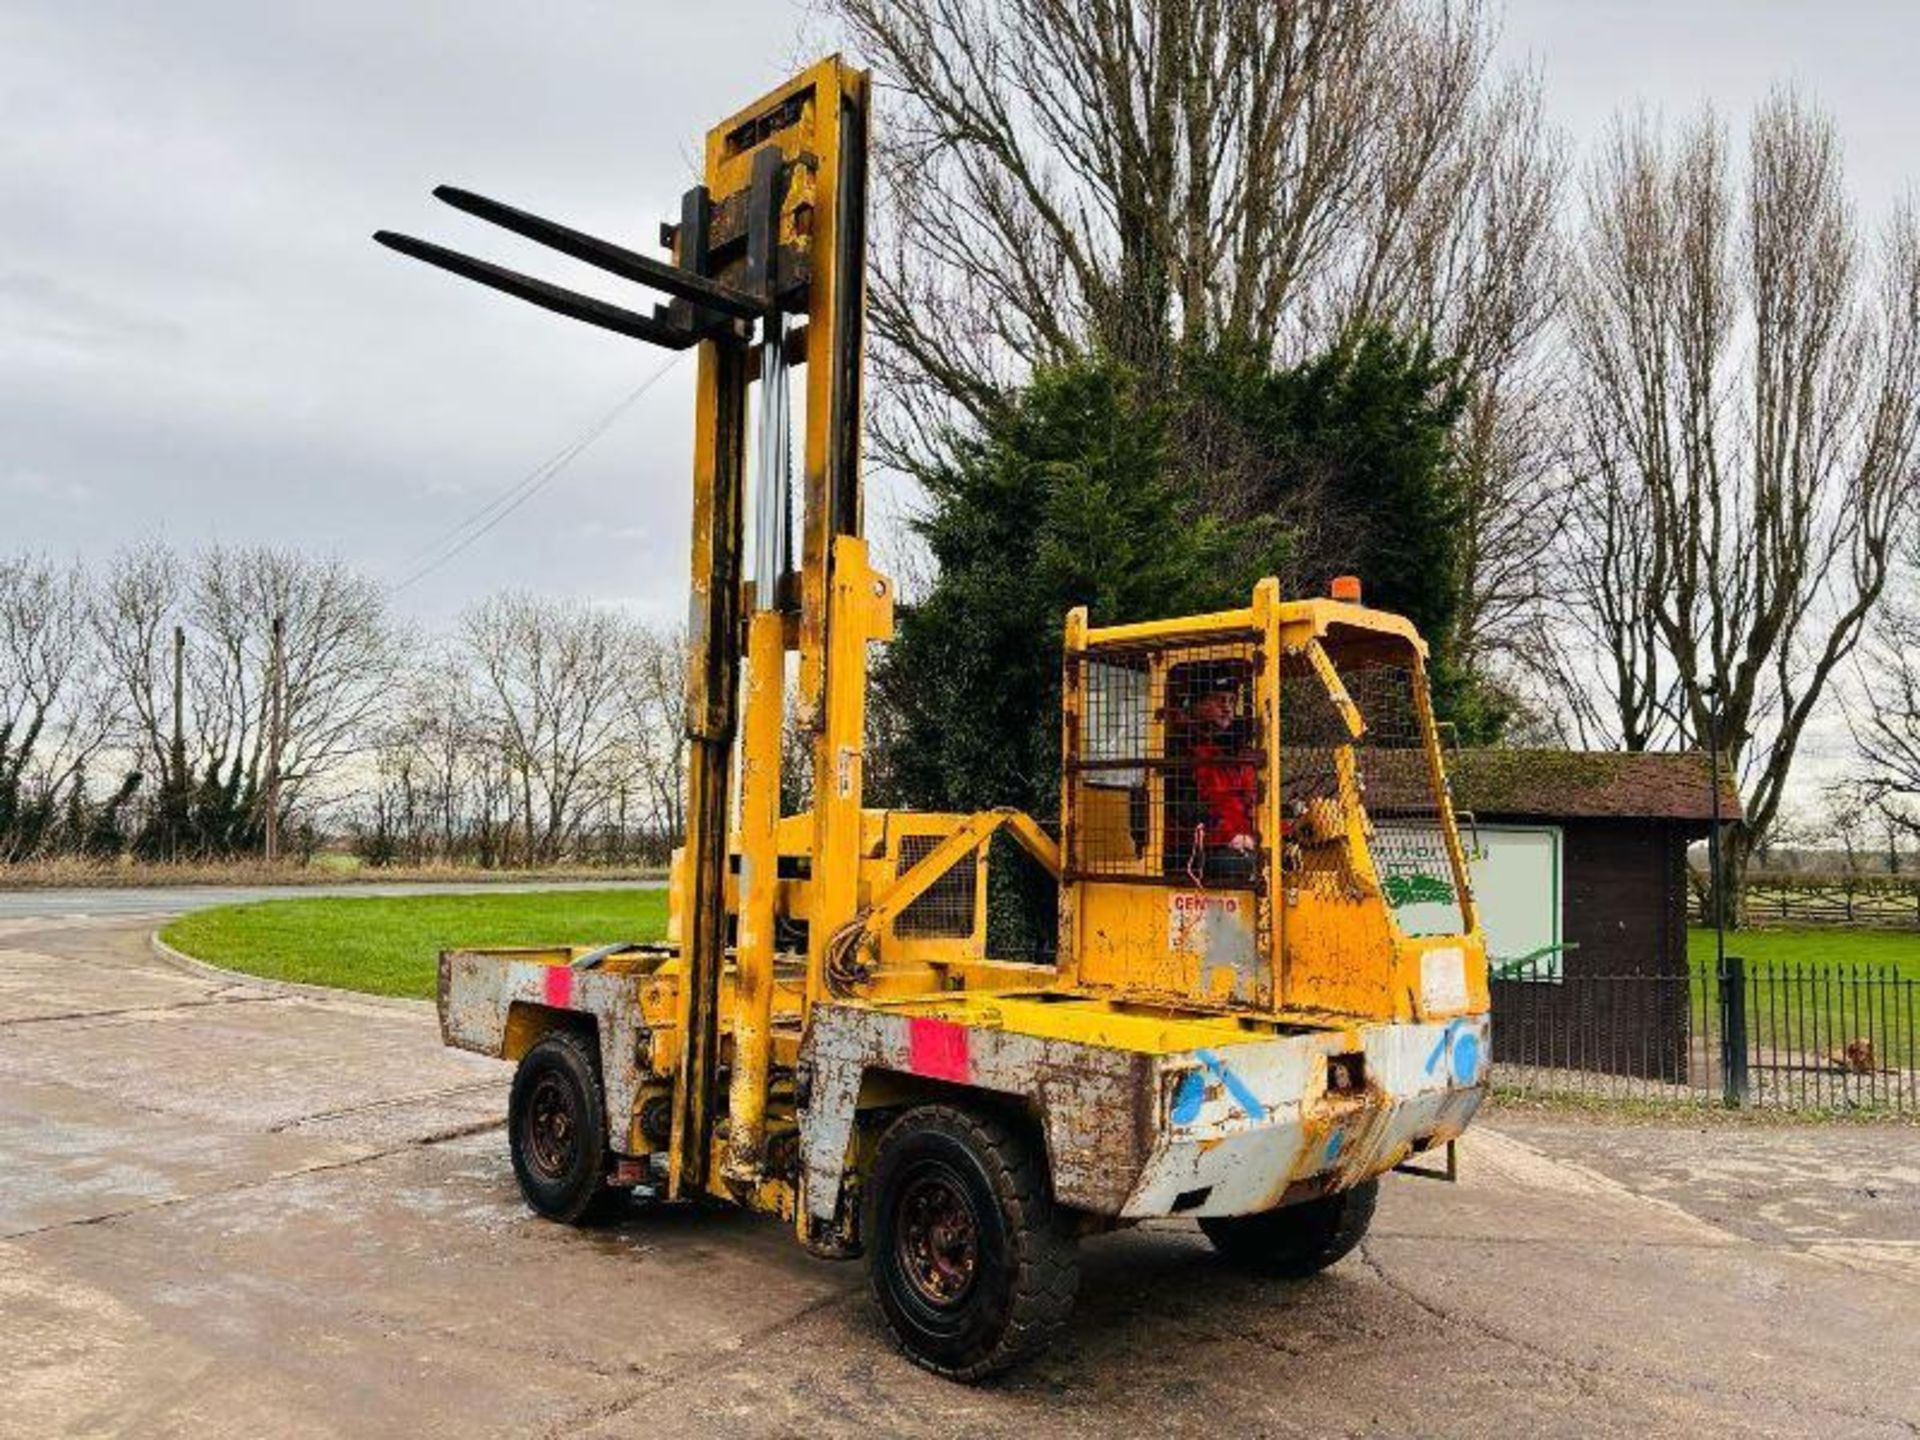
1296 1241
969 1261
557 1129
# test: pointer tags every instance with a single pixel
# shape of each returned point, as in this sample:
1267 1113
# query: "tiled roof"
1588 784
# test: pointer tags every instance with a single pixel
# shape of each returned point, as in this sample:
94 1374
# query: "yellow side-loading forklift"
1259 983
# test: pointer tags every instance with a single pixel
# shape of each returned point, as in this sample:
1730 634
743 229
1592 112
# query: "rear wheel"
969 1261
557 1129
1296 1241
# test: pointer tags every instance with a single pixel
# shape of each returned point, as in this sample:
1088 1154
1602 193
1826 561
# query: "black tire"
1296 1241
969 1261
557 1129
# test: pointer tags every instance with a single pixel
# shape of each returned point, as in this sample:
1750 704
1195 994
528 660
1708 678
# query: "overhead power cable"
431 557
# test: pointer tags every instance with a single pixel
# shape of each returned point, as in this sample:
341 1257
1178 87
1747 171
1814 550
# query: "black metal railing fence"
1804 1036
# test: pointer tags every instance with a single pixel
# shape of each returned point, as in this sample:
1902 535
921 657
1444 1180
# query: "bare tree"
1488 289
1139 178
1594 640
1846 825
339 655
1131 175
1747 377
207 734
655 690
435 788
56 711
542 730
1886 724
552 675
139 605
1794 834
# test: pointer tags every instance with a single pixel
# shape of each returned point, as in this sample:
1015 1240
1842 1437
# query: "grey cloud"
40 307
196 331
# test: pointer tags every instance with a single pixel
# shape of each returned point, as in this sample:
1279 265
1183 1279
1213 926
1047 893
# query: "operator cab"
1240 792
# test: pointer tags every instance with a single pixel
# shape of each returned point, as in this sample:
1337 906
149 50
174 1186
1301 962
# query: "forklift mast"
768 272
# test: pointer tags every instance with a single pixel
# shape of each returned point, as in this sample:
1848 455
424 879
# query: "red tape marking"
560 985
937 1049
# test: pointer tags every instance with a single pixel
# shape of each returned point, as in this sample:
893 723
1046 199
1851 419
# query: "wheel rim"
551 1129
937 1239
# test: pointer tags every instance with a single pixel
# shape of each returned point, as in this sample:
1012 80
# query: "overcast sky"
197 338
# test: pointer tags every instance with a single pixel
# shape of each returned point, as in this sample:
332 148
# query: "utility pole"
176 799
276 717
1716 890
1730 973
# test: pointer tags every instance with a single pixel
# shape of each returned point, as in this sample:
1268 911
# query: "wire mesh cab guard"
1169 764
1361 801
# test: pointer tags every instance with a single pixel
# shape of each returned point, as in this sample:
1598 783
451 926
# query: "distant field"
389 945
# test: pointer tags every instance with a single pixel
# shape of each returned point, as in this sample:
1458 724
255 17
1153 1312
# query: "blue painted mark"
1466 1058
1187 1096
1236 1087
1334 1142
1440 1048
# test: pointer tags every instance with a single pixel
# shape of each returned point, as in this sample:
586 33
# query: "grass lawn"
1824 946
1811 991
389 945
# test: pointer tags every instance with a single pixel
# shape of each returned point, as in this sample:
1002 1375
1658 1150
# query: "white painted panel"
1517 881
1516 876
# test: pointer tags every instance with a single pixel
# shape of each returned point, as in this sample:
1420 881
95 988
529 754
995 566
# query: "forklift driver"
1223 783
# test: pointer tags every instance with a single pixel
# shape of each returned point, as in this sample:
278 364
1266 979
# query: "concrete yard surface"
227 1210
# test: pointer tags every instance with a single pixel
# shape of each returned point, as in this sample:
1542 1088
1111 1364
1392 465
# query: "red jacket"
1226 788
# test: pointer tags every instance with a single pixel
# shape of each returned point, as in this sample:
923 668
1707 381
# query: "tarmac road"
231 1211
